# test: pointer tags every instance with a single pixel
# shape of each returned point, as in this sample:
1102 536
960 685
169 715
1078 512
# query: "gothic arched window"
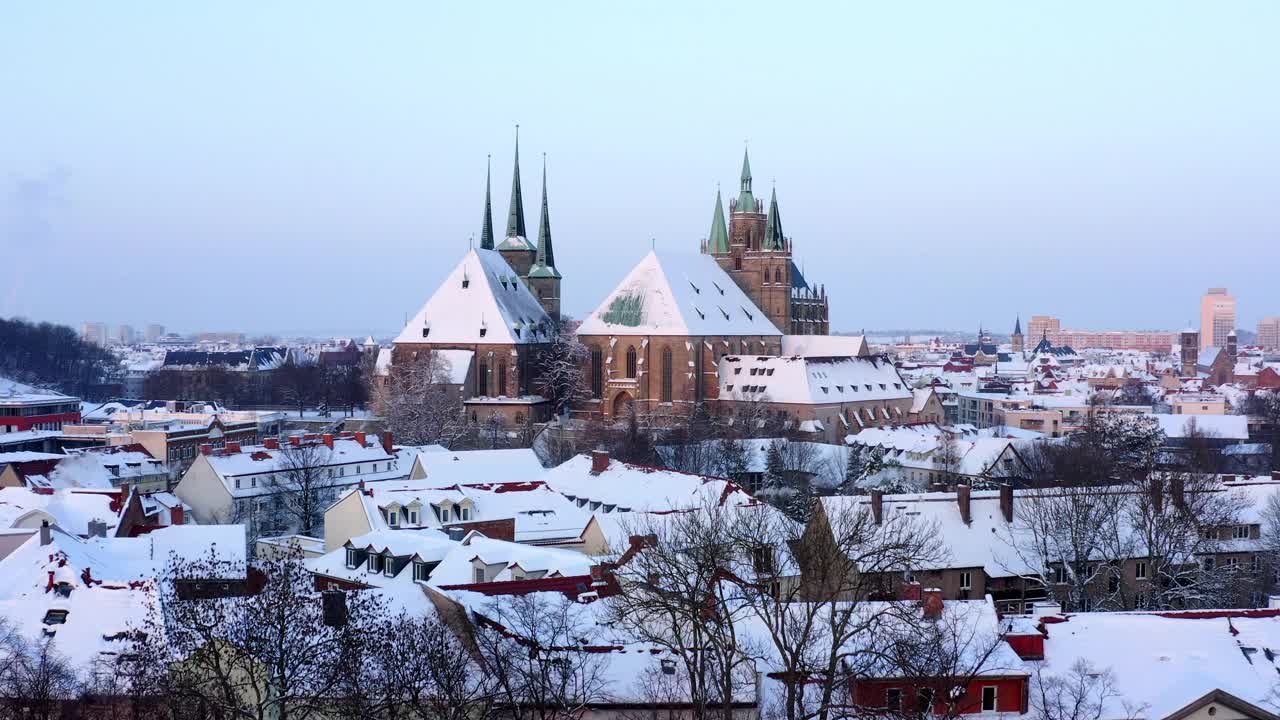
667 371
631 361
597 372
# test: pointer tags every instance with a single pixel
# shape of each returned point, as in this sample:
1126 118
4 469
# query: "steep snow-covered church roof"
481 301
674 294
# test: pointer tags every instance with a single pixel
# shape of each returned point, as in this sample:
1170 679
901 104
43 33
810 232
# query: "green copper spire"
486 229
746 201
718 240
773 238
545 264
515 217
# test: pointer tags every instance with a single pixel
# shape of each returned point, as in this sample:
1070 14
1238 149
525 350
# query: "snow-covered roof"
680 295
825 345
71 510
481 294
466 467
810 382
623 486
1223 427
1166 661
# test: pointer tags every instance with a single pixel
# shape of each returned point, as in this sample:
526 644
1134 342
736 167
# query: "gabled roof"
481 293
810 382
681 295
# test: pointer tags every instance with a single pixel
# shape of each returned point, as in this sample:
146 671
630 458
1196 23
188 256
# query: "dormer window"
375 563
413 517
420 571
426 331
393 518
388 566
465 513
55 617
353 558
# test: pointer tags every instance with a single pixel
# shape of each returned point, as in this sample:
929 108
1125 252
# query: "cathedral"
755 252
535 265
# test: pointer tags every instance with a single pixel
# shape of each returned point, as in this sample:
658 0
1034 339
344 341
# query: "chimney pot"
295 440
328 440
877 506
233 446
360 438
271 443
962 500
911 591
46 533
599 461
387 446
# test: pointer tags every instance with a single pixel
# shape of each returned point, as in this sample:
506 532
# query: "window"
389 566
375 563
393 517
893 699
1060 575
464 513
479 575
501 389
924 699
1240 532
1209 564
353 558
966 580
1140 570
253 482
666 375
482 380
597 373
413 517
989 698
631 361
420 571
237 483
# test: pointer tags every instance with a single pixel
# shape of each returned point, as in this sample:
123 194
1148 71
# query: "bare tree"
262 655
1083 692
533 649
672 593
300 488
809 586
421 403
421 671
562 368
36 681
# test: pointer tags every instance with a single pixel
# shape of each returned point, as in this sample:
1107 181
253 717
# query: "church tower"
516 248
1018 343
756 253
543 279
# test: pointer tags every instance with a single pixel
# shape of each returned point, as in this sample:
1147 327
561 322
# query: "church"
665 339
493 316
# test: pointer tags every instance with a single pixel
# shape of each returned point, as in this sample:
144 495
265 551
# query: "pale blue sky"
319 167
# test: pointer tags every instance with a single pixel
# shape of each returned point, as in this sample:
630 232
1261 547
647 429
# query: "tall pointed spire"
486 229
545 264
718 240
515 217
773 237
1017 326
746 201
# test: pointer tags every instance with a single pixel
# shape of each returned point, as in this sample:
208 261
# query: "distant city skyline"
289 167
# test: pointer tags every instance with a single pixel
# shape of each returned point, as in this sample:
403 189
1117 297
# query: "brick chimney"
360 438
877 506
1006 502
962 500
328 440
271 443
206 449
910 591
233 446
176 517
599 461
295 440
387 446
932 603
